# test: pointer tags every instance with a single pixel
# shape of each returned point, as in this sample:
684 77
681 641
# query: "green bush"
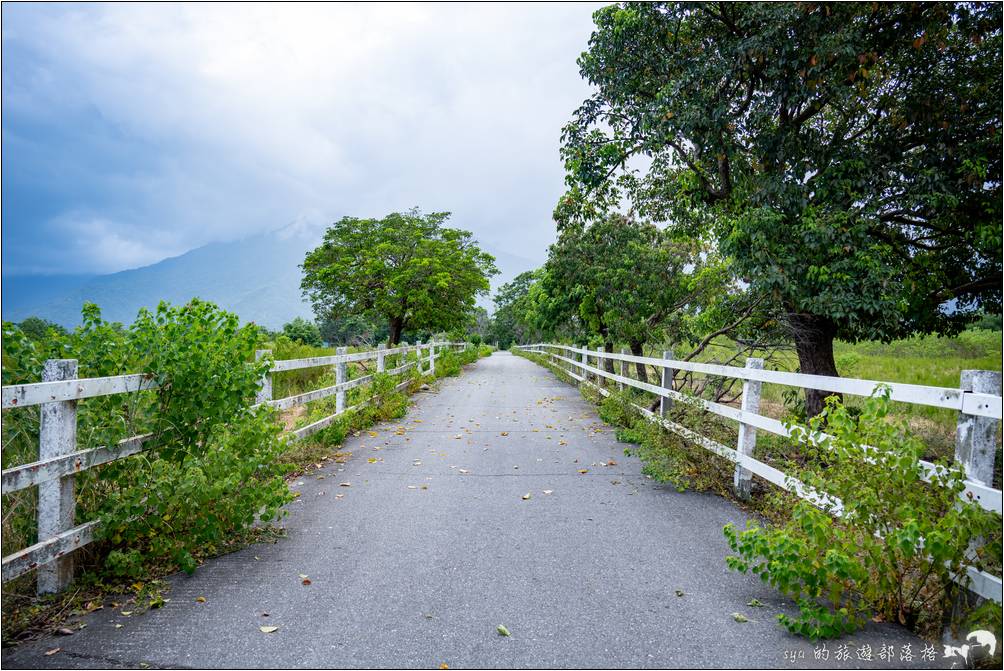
210 466
896 543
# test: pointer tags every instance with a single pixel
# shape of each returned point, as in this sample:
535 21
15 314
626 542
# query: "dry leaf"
305 581
583 471
268 630
50 653
505 433
501 629
63 631
526 496
344 484
200 599
548 491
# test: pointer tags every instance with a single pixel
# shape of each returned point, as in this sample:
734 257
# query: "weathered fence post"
622 364
432 357
264 394
975 437
56 503
340 377
742 480
381 365
665 403
601 364
585 362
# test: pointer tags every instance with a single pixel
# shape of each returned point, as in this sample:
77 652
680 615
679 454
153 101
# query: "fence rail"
978 401
59 460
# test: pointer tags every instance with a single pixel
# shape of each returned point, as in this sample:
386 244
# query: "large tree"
406 268
846 156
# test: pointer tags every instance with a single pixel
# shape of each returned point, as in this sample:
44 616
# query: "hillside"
257 277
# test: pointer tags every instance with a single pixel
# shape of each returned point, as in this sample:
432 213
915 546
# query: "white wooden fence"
59 459
977 400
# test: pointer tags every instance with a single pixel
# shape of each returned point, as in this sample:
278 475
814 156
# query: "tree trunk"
608 364
637 349
813 337
396 327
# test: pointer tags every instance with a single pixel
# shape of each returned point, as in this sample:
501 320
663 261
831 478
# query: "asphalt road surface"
435 543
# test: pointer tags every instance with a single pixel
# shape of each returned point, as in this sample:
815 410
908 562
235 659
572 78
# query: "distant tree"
406 269
629 281
513 320
846 156
303 331
352 330
39 329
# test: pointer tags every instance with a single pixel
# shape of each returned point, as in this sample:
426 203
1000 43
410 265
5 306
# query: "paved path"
433 546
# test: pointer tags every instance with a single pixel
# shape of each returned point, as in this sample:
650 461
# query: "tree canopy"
845 156
407 269
304 331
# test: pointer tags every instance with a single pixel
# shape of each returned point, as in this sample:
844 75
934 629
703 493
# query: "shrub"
210 467
896 543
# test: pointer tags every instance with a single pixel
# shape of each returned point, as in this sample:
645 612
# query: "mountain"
257 277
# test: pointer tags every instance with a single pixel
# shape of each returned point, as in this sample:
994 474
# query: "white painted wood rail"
977 400
59 458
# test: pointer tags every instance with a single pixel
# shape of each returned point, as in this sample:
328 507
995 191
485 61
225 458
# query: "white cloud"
266 113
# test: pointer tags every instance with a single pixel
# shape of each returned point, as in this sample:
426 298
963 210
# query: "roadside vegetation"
800 193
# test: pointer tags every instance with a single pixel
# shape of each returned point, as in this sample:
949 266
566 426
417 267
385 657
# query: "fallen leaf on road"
680 592
305 581
611 463
505 433
526 496
501 629
50 653
755 603
344 484
118 626
127 613
268 630
412 487
200 599
739 617
63 631
373 434
583 471
444 665
548 491
464 470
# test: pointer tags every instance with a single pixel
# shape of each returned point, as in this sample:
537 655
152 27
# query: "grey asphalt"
432 546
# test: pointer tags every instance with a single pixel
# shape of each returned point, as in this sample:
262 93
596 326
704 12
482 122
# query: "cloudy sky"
136 132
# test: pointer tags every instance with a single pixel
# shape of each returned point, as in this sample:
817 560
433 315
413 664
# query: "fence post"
622 364
381 365
432 357
742 480
975 437
666 403
56 503
264 394
340 377
585 362
602 365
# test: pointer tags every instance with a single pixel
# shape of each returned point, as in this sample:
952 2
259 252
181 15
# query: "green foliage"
897 540
303 331
515 319
814 143
407 269
37 328
623 279
210 464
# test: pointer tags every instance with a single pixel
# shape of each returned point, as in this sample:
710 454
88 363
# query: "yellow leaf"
268 630
200 599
